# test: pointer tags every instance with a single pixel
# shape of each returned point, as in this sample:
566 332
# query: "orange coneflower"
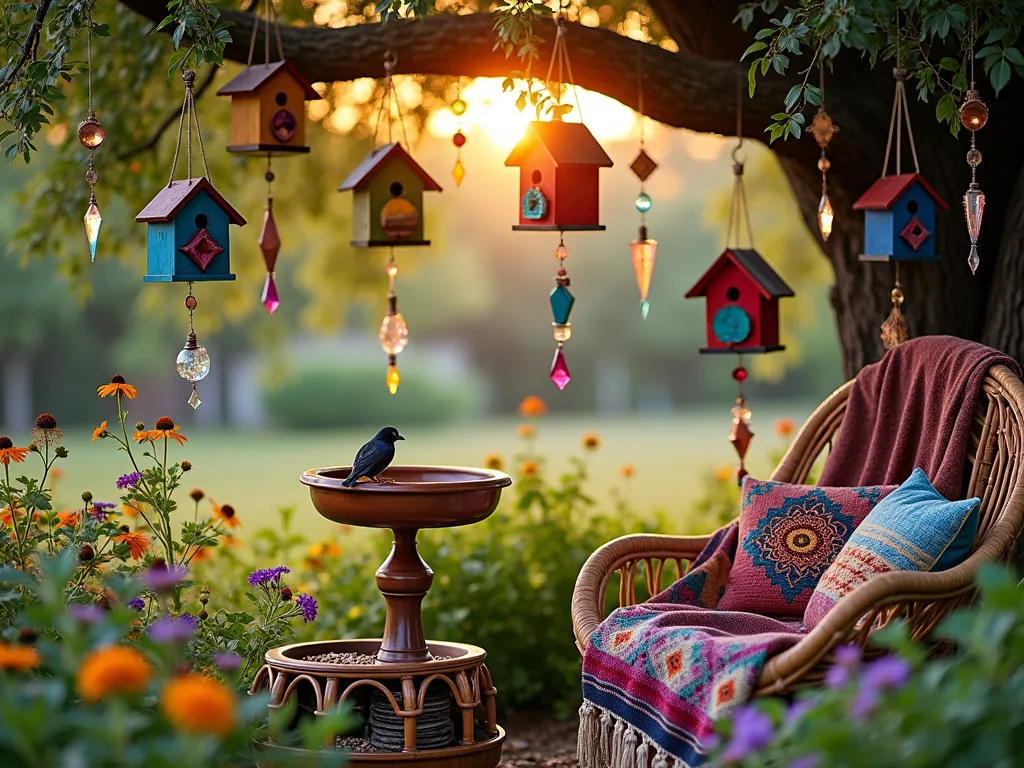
528 468
9 454
137 542
201 554
591 441
627 471
526 431
225 513
69 519
117 387
532 407
100 431
166 428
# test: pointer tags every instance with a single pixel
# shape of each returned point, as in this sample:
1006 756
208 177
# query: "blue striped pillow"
914 528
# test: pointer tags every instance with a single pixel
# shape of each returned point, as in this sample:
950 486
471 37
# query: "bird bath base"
418 497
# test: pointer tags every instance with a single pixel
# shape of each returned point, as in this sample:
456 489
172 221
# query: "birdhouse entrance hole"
281 99
733 294
912 206
396 189
201 221
536 177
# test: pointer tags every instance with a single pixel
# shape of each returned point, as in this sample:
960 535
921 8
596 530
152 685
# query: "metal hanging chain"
188 115
269 16
739 210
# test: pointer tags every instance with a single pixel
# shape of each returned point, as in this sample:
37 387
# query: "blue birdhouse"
899 219
187 233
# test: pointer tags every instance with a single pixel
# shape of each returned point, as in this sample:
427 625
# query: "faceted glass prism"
740 437
643 166
193 364
269 298
394 334
561 304
973 260
194 400
643 252
93 222
269 240
974 209
458 173
826 215
645 308
393 379
559 370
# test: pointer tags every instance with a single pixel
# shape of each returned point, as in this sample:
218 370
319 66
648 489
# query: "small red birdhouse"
268 112
558 177
742 295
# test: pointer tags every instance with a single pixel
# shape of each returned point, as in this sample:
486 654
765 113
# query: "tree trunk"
697 89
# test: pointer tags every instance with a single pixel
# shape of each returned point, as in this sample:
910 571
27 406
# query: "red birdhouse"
558 184
742 294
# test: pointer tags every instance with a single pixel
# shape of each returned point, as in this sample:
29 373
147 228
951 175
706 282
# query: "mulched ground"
536 740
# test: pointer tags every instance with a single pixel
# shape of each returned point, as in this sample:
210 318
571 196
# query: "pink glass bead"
559 370
270 300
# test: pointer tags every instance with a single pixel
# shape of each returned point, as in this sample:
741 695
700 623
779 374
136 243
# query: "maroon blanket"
912 409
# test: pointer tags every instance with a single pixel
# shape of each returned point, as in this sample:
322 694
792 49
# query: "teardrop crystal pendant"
974 209
825 216
194 400
643 251
393 379
394 334
458 173
559 370
269 298
93 222
269 239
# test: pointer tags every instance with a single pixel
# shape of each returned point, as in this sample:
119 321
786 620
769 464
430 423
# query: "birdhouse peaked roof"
253 77
174 196
377 160
566 143
883 194
752 265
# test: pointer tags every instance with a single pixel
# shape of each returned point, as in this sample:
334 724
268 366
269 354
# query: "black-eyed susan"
99 432
115 669
9 454
138 543
226 514
197 704
494 461
18 657
591 441
166 428
118 387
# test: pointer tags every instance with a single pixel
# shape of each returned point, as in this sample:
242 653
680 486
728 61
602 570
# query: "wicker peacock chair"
994 474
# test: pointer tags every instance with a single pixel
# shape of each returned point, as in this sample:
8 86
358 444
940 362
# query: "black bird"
374 457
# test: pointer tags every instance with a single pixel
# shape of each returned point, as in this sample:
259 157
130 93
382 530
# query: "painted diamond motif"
202 249
915 233
643 166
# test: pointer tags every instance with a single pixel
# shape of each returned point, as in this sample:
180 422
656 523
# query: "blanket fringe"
606 741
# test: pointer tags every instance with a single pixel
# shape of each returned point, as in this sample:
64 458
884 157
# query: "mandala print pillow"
789 535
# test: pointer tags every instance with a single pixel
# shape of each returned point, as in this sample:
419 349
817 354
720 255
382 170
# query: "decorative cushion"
789 535
914 529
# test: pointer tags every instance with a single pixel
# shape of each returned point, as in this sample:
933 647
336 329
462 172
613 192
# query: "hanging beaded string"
188 116
191 343
973 116
91 135
823 129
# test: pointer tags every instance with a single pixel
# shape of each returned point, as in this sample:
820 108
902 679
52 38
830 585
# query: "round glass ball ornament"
91 133
643 202
458 107
973 112
193 363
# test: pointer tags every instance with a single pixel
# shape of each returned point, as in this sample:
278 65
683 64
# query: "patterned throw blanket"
657 675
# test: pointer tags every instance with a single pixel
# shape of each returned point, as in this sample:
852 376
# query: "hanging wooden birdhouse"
899 219
558 177
387 200
742 295
268 113
187 233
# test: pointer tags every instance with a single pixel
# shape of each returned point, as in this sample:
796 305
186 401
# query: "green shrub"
902 710
329 395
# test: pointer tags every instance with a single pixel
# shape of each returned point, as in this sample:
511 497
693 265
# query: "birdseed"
353 658
355 744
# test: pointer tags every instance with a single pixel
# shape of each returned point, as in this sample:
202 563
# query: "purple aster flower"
864 702
886 673
173 629
796 712
137 603
751 731
163 579
227 661
129 481
807 761
100 510
265 575
307 606
847 660
87 614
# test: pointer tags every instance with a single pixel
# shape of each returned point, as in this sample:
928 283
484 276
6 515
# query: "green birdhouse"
387 199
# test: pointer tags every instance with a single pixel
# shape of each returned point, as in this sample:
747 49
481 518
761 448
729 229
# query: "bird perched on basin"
374 457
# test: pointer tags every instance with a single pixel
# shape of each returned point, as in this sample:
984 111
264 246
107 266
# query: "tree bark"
697 89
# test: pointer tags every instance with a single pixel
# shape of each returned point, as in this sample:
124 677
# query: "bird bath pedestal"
403 664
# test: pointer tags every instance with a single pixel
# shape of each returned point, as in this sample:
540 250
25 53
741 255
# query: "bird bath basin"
420 497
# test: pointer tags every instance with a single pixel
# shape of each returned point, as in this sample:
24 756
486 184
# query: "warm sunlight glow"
494 113
705 147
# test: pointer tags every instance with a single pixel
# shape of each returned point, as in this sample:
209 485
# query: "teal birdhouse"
187 233
387 199
899 219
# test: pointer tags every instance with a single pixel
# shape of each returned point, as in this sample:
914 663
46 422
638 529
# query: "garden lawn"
258 472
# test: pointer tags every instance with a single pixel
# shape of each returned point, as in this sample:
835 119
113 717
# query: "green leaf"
1000 76
754 47
1014 56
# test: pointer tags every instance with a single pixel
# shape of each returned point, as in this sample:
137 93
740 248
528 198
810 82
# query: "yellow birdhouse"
268 114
